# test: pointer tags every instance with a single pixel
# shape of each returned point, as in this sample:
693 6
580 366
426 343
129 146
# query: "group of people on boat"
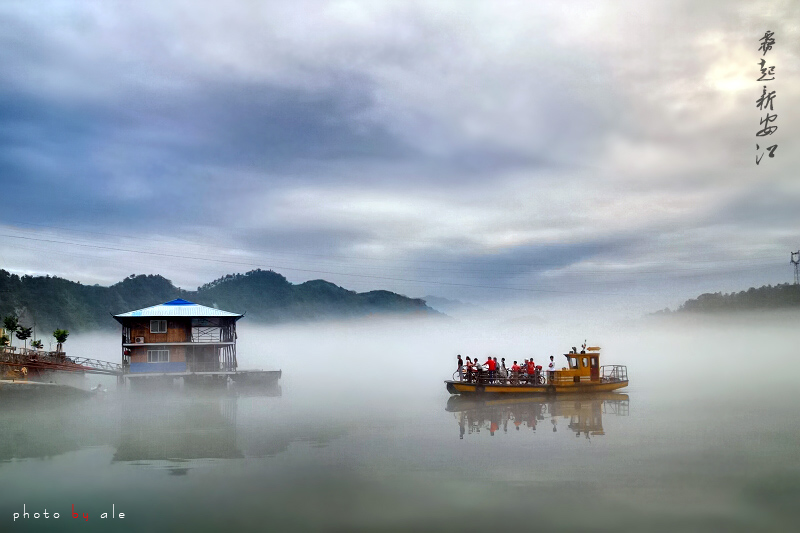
495 372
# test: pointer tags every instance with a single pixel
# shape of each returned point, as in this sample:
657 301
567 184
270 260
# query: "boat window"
594 362
584 362
573 362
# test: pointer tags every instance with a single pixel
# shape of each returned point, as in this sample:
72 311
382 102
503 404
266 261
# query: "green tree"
37 344
61 337
11 324
24 334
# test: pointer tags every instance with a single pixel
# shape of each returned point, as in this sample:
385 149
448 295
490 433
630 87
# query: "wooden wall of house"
177 331
177 354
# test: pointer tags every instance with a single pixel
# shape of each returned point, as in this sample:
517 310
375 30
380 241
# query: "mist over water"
362 435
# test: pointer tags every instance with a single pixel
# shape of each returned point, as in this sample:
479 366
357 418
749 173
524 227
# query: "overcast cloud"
478 150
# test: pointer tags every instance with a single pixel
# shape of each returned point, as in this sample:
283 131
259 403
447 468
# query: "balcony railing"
207 366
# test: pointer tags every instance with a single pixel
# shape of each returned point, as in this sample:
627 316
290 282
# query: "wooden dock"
32 362
24 392
238 380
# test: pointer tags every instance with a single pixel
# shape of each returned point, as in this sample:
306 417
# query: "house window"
158 326
157 356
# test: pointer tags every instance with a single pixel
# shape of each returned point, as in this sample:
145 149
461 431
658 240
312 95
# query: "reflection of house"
179 431
178 337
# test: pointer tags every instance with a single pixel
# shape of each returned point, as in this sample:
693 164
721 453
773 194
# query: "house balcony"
205 343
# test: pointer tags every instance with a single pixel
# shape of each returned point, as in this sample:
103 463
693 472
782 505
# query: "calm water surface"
675 452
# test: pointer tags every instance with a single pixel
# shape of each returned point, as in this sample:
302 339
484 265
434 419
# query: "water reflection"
50 427
172 431
581 415
178 432
183 429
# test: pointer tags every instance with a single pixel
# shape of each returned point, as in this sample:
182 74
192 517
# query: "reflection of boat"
584 412
584 375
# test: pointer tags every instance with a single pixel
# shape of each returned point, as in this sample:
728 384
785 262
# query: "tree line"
12 327
767 297
264 295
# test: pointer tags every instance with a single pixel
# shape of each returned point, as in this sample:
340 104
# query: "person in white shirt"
478 371
551 370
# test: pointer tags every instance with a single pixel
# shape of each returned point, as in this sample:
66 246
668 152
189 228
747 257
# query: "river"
362 436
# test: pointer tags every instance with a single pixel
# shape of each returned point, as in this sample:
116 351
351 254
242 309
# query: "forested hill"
264 295
779 297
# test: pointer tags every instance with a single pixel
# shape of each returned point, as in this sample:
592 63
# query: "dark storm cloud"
255 126
46 149
527 265
174 146
71 152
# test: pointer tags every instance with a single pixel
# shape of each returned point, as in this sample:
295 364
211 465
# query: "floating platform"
256 378
249 380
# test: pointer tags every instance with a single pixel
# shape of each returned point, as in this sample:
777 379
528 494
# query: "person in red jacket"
515 370
491 366
531 368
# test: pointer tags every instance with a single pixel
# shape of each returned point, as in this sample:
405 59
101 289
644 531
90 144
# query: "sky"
494 152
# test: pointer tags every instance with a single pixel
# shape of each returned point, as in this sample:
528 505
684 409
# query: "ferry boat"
584 374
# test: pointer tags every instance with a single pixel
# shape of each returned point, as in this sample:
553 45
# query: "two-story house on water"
178 338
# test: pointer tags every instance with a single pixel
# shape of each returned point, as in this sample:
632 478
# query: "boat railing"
613 373
483 378
608 374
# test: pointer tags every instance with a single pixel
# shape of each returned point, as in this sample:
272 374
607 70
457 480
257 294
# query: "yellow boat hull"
460 387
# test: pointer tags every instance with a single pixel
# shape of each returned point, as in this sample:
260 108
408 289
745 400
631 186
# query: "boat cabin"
178 337
583 366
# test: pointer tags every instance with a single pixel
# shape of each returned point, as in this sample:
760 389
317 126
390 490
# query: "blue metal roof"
179 308
179 301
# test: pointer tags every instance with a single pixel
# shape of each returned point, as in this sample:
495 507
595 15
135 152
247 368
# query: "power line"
283 268
694 259
557 274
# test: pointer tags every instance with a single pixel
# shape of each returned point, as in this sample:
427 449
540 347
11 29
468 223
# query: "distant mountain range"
766 298
265 296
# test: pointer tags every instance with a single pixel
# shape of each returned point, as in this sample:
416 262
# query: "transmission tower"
795 260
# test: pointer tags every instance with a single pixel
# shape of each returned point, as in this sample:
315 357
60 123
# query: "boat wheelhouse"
176 338
584 373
